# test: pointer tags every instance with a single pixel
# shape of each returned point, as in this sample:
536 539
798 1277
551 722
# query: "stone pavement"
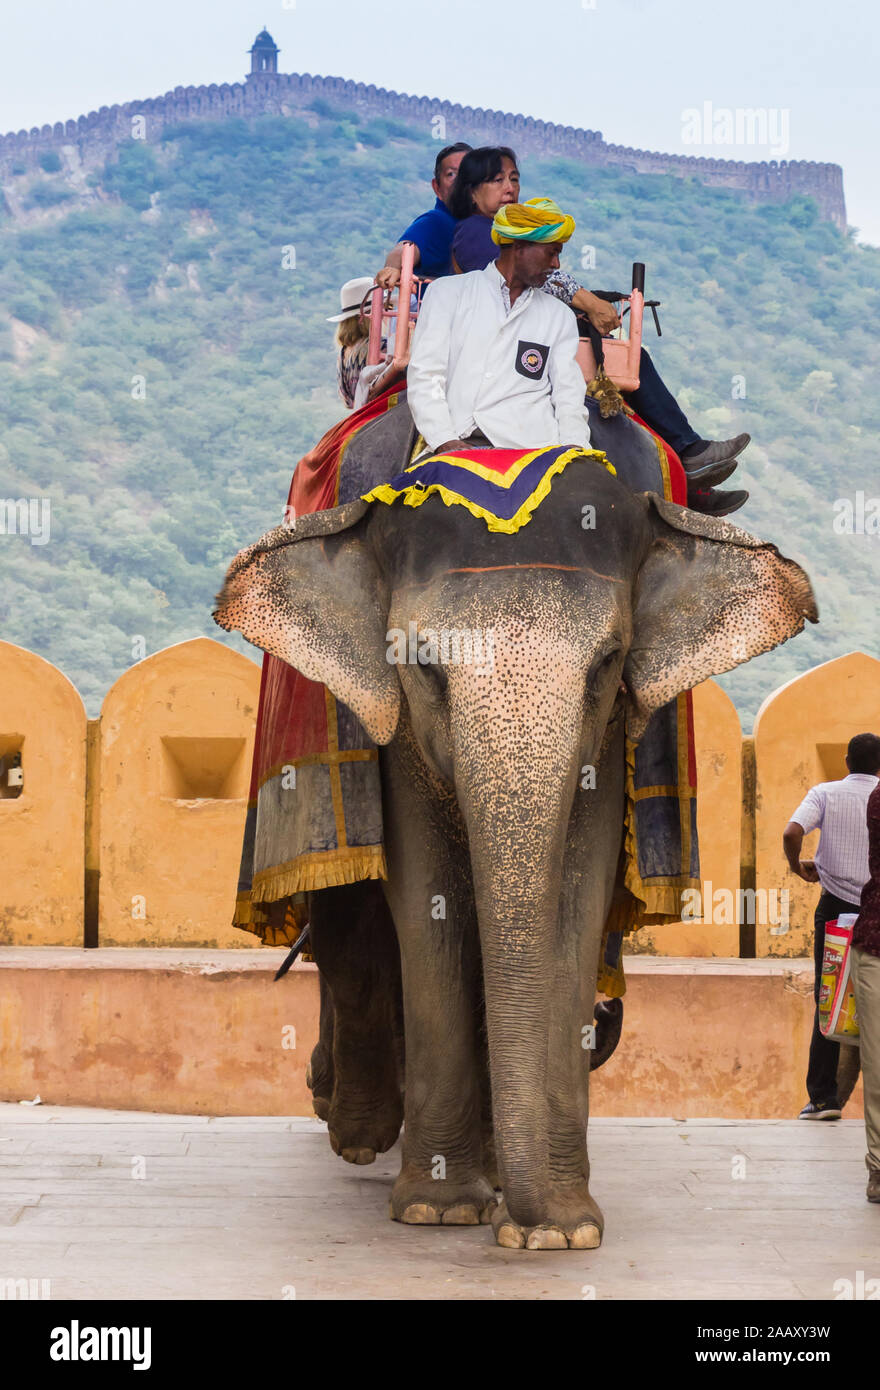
253 1208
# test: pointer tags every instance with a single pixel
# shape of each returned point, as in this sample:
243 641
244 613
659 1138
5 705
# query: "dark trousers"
659 408
824 1055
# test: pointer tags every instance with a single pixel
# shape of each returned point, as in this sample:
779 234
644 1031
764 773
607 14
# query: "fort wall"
92 139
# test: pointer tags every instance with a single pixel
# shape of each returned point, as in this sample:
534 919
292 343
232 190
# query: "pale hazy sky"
629 68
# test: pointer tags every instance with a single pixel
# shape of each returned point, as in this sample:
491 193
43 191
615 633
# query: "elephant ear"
709 597
310 593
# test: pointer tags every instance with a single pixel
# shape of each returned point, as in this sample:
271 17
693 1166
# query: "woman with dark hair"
487 180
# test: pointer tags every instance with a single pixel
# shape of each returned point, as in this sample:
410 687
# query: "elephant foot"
319 1079
573 1223
358 1133
421 1201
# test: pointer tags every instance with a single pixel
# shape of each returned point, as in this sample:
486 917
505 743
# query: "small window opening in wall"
832 761
203 769
11 770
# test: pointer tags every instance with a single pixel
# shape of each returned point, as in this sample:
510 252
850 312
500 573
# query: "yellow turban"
540 219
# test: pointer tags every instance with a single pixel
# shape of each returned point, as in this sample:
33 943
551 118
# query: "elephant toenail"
360 1156
511 1237
465 1214
586 1237
420 1214
547 1238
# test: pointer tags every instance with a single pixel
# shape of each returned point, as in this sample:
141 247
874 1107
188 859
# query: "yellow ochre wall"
41 831
170 760
177 734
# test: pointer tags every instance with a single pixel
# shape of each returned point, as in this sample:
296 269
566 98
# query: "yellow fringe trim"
270 934
244 911
327 869
507 480
611 982
414 496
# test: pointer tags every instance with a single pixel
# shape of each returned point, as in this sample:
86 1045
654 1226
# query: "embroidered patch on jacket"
502 486
531 359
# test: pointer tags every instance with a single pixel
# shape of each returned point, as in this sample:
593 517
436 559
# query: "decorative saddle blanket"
501 486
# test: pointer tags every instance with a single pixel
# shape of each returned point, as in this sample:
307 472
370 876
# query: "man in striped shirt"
839 810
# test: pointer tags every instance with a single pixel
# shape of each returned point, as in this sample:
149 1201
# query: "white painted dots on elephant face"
270 599
749 600
255 603
518 729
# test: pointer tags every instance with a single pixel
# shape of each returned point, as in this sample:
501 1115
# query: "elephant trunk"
517 969
516 759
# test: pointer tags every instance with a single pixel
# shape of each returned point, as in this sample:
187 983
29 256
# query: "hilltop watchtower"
264 54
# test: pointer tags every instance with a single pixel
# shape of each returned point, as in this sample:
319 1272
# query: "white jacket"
511 374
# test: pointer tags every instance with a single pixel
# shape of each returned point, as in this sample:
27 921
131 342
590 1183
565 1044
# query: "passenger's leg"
705 461
658 407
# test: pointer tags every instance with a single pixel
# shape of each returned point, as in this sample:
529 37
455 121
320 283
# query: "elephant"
485 816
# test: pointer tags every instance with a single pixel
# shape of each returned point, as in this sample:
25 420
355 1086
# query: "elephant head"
694 597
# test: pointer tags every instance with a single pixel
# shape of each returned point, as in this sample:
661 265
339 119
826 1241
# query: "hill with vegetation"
165 360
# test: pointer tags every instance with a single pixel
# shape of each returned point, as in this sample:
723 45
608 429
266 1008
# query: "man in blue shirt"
432 232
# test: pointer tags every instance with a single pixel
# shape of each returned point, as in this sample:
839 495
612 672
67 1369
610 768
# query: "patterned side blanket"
314 817
502 487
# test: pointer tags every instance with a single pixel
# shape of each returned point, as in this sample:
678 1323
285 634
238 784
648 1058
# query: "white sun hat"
350 297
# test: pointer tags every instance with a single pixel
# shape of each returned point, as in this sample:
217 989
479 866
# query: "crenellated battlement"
90 140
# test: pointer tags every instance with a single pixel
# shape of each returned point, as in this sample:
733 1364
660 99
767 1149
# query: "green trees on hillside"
165 360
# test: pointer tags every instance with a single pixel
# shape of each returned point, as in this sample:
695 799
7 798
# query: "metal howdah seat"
619 356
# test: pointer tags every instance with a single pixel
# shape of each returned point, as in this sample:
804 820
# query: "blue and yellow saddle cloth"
502 486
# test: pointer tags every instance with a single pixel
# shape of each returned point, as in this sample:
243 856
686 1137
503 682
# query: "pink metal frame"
622 355
381 310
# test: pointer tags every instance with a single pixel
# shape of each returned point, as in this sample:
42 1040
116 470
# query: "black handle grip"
639 276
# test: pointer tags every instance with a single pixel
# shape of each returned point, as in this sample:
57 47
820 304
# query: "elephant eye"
608 659
434 679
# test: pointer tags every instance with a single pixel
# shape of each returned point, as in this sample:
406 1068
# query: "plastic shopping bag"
837 1004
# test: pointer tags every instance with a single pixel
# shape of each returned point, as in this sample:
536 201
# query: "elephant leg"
355 949
488 1156
573 1218
442 1178
319 1073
